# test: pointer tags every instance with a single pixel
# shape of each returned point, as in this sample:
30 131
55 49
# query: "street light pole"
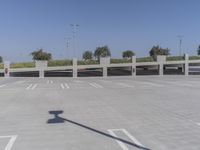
180 44
67 45
74 31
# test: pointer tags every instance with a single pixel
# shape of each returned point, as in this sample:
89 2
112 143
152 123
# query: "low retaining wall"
41 66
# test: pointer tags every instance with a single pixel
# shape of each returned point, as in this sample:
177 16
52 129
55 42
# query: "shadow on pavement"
58 119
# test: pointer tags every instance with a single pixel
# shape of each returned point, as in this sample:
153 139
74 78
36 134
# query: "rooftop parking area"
112 113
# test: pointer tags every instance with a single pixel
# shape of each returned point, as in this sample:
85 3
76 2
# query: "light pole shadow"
58 119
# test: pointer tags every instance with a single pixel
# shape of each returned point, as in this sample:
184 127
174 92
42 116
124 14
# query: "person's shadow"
58 119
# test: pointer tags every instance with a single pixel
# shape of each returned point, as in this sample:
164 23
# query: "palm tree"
87 55
128 54
198 50
41 55
103 51
1 59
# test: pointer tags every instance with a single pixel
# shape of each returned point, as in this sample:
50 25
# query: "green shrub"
144 59
1 66
22 65
53 63
175 58
194 57
117 60
87 62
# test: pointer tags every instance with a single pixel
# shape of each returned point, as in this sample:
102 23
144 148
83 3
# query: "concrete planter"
41 64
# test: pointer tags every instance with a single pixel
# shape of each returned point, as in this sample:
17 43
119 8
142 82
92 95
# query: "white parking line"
95 85
78 81
121 144
2 85
105 81
64 86
126 85
152 84
31 87
11 141
49 82
198 123
34 86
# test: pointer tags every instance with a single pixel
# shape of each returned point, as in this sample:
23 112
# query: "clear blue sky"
26 25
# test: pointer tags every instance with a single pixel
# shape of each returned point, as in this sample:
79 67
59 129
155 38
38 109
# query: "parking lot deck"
113 113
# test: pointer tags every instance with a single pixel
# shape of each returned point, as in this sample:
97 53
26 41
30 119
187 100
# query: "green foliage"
103 51
1 66
1 59
118 61
128 54
40 55
175 58
22 65
157 50
194 57
198 50
88 62
52 63
87 55
144 59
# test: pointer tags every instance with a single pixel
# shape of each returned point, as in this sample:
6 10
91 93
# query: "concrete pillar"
40 66
41 73
105 63
186 65
75 69
161 69
161 59
6 69
133 72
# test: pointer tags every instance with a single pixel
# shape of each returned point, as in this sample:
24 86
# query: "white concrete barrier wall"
42 66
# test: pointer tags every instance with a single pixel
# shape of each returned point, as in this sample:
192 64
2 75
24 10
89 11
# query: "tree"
128 54
103 51
1 59
198 50
157 50
41 55
87 55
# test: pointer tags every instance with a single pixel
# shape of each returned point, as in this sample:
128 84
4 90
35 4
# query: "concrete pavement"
114 113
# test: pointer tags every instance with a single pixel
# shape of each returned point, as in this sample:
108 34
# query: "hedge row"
22 65
117 61
1 66
194 57
53 63
175 58
144 59
88 62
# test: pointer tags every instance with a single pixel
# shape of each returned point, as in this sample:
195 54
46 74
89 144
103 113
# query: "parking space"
114 113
